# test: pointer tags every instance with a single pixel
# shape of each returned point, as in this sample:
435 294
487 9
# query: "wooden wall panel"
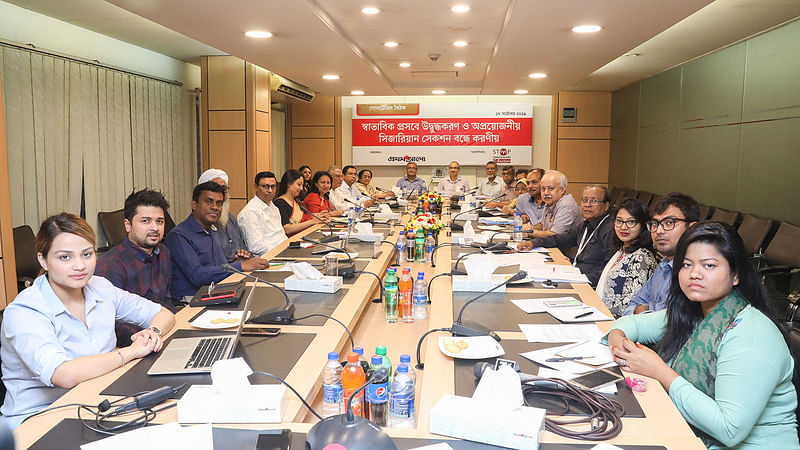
315 125
227 152
263 153
319 112
226 83
584 132
593 108
238 203
262 101
576 189
226 120
584 160
317 153
262 121
312 132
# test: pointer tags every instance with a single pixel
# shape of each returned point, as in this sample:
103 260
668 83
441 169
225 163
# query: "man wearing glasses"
260 219
561 214
670 217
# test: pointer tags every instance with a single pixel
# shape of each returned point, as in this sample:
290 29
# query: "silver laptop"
197 354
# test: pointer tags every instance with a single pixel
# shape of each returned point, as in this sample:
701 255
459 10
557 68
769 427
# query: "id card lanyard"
585 241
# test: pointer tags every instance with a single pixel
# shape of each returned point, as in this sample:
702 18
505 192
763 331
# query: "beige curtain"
80 134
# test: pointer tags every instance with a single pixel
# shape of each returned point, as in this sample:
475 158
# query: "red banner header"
442 132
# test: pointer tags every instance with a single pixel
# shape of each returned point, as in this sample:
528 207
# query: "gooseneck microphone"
456 227
281 315
345 272
498 246
333 235
148 399
371 216
471 328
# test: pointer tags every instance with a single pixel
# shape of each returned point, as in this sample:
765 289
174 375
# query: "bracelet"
120 357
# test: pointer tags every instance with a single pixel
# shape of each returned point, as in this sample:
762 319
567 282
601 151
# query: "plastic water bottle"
378 394
430 243
332 386
351 221
390 305
353 377
381 350
401 246
406 359
420 297
359 212
406 288
419 247
517 237
401 403
410 246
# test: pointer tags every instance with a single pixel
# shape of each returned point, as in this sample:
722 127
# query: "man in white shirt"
350 191
260 219
335 196
453 186
491 186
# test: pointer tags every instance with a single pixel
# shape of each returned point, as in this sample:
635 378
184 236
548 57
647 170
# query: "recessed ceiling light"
330 76
390 44
405 65
359 92
587 28
460 43
537 75
460 64
438 91
460 8
258 34
521 91
370 10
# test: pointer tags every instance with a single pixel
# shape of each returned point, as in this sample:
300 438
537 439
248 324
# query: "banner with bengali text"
437 133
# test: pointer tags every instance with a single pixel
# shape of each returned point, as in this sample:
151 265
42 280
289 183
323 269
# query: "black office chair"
705 211
645 197
25 256
613 195
753 231
113 226
780 264
169 224
725 216
655 199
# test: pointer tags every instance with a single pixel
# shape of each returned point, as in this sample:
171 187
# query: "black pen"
571 358
588 313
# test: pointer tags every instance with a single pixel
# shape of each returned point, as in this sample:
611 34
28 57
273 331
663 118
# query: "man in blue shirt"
410 183
530 204
670 217
197 257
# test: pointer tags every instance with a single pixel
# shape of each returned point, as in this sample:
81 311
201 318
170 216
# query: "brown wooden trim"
9 264
554 133
289 153
250 120
337 130
204 111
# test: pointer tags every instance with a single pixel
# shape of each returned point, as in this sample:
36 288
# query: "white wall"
386 176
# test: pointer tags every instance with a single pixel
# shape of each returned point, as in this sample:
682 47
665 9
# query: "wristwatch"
155 330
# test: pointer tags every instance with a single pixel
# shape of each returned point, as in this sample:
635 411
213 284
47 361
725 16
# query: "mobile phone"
597 379
294 244
217 295
274 440
254 331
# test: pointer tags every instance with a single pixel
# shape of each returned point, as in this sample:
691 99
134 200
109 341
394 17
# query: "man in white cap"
228 232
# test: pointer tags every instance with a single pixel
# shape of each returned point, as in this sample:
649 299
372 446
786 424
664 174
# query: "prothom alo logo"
406 158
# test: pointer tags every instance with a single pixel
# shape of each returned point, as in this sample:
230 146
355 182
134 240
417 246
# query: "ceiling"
508 39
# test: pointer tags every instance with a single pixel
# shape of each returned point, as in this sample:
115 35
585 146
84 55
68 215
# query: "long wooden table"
663 424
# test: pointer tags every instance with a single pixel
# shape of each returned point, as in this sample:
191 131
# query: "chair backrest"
169 224
626 193
25 252
113 226
704 212
784 248
644 197
725 216
614 195
753 231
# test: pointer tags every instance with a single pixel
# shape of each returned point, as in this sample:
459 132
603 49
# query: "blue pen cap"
333 356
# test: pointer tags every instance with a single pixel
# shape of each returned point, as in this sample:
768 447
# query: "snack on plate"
230 320
454 346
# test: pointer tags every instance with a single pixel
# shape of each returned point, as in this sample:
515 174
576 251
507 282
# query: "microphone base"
282 315
346 270
456 227
361 434
470 328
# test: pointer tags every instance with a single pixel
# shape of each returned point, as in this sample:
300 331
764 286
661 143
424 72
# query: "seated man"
530 204
228 231
197 256
561 214
522 173
350 191
670 217
260 219
140 263
454 185
410 184
491 186
336 196
508 191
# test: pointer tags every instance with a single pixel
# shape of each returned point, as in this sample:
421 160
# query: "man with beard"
140 263
228 232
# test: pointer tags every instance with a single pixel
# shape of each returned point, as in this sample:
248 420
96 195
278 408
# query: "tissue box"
402 202
467 216
326 284
387 216
367 237
464 283
260 403
474 420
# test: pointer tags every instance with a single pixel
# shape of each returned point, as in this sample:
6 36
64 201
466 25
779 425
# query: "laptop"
197 354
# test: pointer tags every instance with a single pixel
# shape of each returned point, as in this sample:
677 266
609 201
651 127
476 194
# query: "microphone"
456 227
470 328
371 216
281 315
333 233
480 369
148 399
499 246
347 271
433 253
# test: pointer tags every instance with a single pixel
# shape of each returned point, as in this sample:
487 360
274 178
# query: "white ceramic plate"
479 347
205 320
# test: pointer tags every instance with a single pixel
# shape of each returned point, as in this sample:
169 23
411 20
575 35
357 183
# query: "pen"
571 358
588 313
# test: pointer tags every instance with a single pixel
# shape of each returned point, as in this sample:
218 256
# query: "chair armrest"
776 270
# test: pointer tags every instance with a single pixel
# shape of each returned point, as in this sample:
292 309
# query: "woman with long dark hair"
318 200
293 218
721 356
630 268
306 172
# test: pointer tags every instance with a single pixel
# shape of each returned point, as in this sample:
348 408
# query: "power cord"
292 389
380 283
420 365
352 342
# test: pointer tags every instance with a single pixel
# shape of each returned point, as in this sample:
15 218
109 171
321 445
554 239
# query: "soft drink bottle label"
402 405
378 393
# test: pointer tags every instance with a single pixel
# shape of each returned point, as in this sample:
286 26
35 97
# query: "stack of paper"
577 367
560 333
496 221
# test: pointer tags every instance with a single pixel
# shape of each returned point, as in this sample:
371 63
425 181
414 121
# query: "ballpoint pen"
588 313
571 358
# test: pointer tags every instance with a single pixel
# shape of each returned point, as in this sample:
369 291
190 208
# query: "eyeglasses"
268 187
591 201
630 223
667 223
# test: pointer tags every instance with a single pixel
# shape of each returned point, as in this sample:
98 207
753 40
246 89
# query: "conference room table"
300 351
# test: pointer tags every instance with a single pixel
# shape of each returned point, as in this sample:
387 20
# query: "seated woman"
364 178
293 219
633 264
306 171
721 356
60 331
317 200
520 187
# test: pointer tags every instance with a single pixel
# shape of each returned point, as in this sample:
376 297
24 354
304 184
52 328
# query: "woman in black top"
293 218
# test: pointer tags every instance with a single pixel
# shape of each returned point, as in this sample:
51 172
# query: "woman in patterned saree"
723 359
630 268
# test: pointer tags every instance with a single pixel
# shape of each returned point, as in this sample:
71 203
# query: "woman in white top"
60 331
633 264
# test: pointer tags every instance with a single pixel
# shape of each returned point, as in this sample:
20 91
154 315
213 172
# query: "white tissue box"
367 237
259 403
387 216
326 284
464 283
402 202
467 216
474 420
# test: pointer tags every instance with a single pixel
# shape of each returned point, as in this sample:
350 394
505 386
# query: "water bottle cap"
359 350
390 271
381 349
333 356
352 357
377 360
405 358
403 368
420 275
402 232
430 233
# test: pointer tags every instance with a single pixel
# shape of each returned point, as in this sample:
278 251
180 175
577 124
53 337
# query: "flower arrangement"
431 198
427 222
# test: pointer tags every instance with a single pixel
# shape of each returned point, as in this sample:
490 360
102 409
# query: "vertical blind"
84 135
